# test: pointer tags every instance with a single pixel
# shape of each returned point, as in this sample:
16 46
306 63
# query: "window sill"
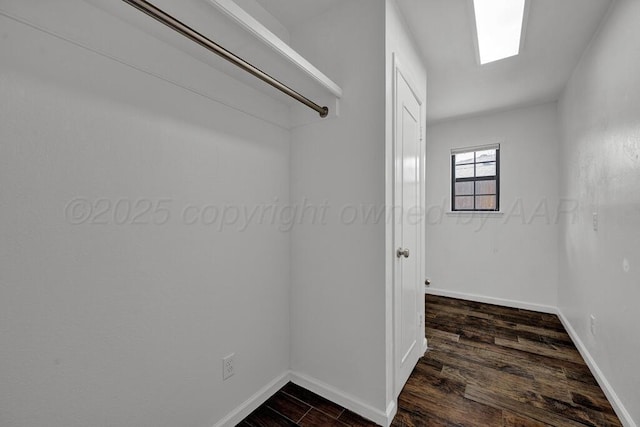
475 213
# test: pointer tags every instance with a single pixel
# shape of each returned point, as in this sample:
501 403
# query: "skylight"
499 26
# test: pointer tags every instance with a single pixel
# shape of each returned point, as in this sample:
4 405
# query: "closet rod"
171 22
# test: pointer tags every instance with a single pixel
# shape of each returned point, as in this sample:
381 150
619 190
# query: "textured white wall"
600 118
513 256
126 325
338 268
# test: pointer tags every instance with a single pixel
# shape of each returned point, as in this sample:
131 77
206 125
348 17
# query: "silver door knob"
402 253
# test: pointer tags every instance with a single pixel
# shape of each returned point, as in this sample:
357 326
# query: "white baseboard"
618 407
491 300
392 409
350 402
325 390
385 418
251 404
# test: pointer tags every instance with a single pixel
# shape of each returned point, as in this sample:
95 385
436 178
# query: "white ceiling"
557 32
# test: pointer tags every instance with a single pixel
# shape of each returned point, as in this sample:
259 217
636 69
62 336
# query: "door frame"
401 72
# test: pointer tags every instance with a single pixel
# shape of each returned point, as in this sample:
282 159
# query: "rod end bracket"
325 112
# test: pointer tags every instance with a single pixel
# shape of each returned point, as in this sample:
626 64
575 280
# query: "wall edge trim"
604 384
493 300
350 402
253 402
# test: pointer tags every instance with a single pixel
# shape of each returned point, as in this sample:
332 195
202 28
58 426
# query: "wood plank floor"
495 366
486 366
296 406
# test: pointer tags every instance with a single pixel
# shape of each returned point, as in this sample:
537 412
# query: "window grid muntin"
475 179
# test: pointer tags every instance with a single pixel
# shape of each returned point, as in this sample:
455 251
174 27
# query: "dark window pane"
486 169
486 156
486 202
464 171
464 188
475 177
464 203
465 158
485 187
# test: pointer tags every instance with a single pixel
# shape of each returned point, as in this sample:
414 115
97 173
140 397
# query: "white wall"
338 268
513 256
400 43
600 118
126 325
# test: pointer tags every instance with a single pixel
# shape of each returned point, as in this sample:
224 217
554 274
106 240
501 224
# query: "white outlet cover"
228 366
592 322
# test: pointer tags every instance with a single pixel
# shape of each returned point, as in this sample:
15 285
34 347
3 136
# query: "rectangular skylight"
499 26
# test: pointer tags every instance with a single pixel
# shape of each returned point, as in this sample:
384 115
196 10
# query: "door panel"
408 294
408 266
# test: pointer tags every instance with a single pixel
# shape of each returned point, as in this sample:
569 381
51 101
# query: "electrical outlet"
595 221
228 366
420 319
592 320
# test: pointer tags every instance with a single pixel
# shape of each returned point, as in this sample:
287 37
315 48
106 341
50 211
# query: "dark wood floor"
486 366
296 406
495 366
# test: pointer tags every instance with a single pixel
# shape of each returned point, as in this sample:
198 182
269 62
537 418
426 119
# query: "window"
475 179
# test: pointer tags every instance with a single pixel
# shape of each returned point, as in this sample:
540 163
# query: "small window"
475 179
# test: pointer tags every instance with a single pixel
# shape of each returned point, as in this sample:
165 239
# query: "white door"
408 231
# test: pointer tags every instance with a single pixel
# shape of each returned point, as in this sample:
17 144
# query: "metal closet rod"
171 22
